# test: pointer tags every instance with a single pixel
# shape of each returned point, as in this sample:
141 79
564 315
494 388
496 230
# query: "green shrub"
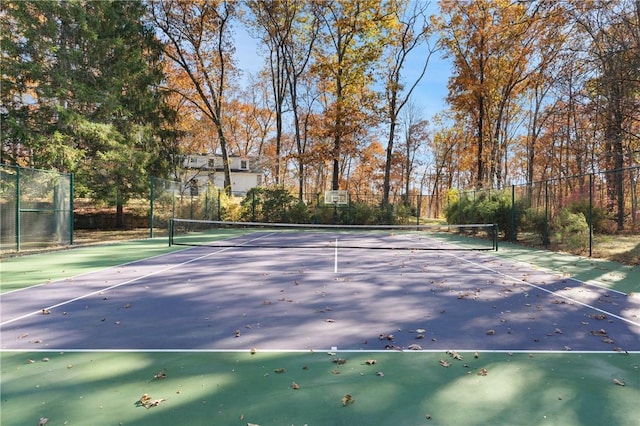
230 208
493 207
365 214
571 231
299 213
535 220
599 216
268 205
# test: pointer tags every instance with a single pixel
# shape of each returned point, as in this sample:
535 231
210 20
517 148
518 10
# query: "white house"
208 169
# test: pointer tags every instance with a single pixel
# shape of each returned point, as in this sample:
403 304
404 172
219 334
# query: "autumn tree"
197 40
493 44
415 138
351 39
289 32
614 45
409 32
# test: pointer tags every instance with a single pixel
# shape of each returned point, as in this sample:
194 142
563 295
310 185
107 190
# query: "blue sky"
429 94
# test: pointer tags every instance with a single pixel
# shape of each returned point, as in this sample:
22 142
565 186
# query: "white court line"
66 302
93 272
592 283
328 352
518 280
335 262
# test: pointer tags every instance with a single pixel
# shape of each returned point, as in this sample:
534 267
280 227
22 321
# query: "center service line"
335 261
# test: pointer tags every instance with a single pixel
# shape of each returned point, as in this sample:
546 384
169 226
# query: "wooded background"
117 92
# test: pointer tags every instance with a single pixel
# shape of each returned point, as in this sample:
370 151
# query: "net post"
71 207
495 236
18 209
151 197
170 232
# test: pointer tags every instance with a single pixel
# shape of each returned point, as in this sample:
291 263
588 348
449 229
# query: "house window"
212 163
243 164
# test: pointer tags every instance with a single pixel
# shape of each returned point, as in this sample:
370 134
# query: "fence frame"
18 210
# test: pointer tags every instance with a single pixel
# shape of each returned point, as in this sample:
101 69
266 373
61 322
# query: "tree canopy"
115 91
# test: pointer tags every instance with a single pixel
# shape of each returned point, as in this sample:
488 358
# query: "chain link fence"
560 214
36 210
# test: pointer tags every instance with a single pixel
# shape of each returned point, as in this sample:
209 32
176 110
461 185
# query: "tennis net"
374 237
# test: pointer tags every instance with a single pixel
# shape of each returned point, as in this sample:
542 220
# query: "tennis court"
278 326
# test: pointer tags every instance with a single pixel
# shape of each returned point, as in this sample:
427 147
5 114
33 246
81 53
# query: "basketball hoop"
336 197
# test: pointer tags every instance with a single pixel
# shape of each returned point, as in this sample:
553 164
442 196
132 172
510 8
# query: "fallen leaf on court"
601 332
266 302
236 333
567 348
162 374
253 351
608 340
558 331
339 361
329 320
491 332
419 336
420 330
380 374
146 401
618 382
482 372
154 403
252 424
386 337
370 361
598 316
444 363
454 354
45 312
295 386
279 370
335 371
127 305
43 421
45 359
414 347
476 355
347 399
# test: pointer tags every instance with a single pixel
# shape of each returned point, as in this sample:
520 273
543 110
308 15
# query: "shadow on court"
180 327
399 388
309 299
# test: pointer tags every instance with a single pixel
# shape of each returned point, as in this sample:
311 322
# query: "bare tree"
198 41
412 33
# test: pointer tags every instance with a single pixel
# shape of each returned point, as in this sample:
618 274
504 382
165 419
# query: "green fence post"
151 196
219 207
71 209
253 206
18 208
590 214
513 213
546 214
